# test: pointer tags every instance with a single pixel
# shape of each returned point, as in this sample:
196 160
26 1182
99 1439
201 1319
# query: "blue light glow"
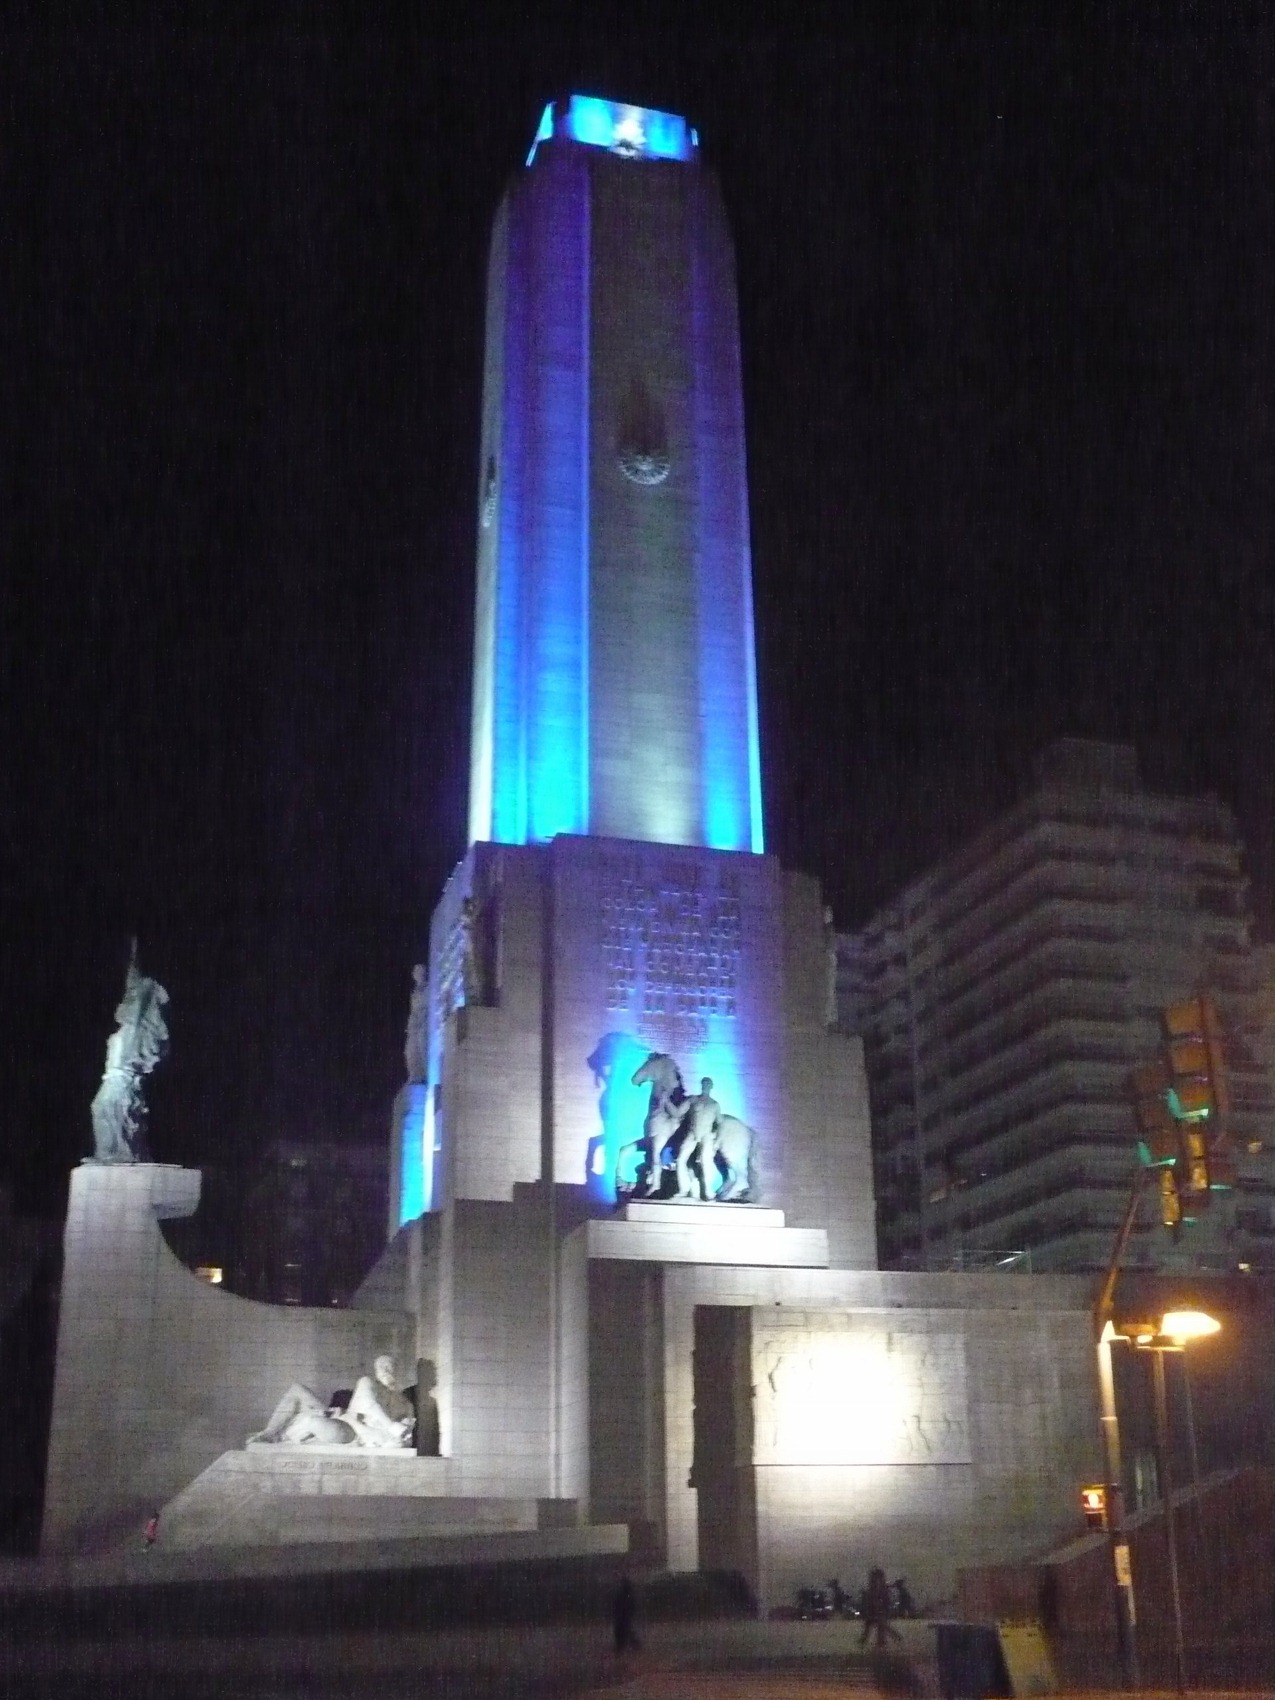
731 776
622 1106
622 1110
540 727
548 723
416 1173
544 132
637 132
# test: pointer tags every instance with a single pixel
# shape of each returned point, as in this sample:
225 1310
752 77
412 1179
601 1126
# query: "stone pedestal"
286 1496
707 1233
159 1373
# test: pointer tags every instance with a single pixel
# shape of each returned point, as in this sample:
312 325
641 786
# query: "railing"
975 1261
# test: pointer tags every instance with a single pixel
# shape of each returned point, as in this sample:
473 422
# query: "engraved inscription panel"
671 948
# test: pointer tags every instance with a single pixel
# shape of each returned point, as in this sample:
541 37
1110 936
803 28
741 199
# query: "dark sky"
1005 291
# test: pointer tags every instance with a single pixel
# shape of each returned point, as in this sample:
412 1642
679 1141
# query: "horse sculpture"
666 1127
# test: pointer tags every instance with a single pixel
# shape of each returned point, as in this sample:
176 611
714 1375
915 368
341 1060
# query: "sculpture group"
711 1156
376 1415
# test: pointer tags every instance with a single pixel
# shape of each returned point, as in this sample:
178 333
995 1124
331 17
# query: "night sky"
1006 304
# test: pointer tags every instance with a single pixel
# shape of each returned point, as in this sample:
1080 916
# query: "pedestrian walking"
150 1534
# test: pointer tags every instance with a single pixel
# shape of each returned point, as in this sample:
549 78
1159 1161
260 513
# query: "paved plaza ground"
712 1660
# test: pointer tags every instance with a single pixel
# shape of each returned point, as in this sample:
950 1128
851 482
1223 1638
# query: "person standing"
623 1616
150 1534
699 1126
876 1609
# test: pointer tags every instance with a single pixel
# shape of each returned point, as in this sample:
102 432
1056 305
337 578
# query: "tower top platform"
635 132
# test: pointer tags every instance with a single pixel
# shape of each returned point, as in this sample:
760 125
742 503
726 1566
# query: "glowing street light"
1174 1332
1181 1326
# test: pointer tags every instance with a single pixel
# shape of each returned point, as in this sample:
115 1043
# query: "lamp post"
1126 1616
1117 1537
1177 1328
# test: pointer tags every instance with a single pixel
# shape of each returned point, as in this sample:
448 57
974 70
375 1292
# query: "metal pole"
1126 1611
1117 1538
1170 1528
1197 1504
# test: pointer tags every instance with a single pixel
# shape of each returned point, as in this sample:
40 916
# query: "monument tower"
615 764
635 1181
614 682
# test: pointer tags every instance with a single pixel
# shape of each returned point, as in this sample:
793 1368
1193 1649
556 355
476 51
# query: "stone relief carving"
377 1416
857 1391
133 1051
467 972
713 1155
642 449
488 504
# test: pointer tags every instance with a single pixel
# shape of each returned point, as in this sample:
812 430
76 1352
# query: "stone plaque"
857 1389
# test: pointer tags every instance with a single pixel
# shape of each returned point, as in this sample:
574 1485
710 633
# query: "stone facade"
922 1423
159 1373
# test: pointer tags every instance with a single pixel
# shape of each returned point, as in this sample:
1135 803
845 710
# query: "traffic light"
1149 1084
1093 1502
1170 1199
1196 1097
1160 1136
1193 1052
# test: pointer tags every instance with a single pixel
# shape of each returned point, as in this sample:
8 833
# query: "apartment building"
1004 997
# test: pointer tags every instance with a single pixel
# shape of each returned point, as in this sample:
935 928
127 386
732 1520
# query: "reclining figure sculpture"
378 1416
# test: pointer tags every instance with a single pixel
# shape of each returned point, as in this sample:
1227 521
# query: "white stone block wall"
502 1419
626 1388
828 1178
159 1373
573 1370
1009 1416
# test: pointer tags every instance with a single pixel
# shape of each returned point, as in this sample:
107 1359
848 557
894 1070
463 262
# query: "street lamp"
1176 1329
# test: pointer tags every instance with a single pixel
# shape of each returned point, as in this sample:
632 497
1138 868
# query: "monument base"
707 1233
274 1495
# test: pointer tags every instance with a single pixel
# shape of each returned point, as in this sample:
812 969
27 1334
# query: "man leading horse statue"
705 1146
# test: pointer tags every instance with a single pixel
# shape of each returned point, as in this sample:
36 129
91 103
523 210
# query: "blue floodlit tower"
614 675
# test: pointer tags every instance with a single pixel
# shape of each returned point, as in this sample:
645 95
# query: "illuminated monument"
615 738
728 1374
698 1355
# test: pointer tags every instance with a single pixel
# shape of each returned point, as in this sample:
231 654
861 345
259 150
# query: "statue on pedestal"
665 1110
414 1048
698 1143
377 1416
133 1051
691 1131
471 978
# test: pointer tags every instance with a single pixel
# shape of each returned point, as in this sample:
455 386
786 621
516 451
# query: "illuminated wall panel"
665 949
532 633
732 817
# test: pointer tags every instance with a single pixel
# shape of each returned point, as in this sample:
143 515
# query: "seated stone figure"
378 1415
